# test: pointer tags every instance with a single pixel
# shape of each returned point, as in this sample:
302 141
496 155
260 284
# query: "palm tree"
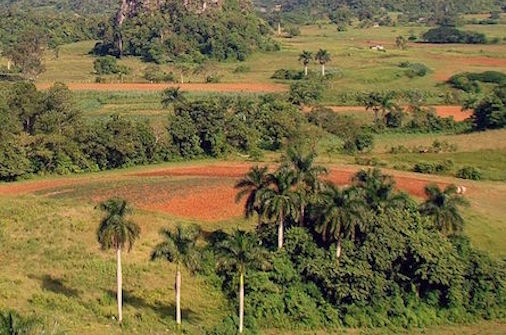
378 191
116 232
172 95
380 102
307 175
252 185
179 247
339 215
239 252
443 208
280 201
306 57
323 57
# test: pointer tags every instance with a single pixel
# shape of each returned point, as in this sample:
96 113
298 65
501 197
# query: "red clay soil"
197 87
443 111
34 186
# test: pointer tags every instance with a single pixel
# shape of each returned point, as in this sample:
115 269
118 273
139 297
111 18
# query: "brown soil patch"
197 87
34 186
443 111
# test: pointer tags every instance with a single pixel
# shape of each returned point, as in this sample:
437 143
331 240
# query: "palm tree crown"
443 207
322 56
172 95
115 231
179 247
306 57
255 181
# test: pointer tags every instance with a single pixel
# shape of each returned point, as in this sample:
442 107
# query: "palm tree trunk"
119 279
182 79
241 303
280 231
279 28
178 296
323 70
305 70
302 214
338 249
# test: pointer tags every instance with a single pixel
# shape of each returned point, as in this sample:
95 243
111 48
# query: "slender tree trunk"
178 296
182 79
302 215
305 70
119 279
241 303
338 249
280 231
279 28
8 65
323 70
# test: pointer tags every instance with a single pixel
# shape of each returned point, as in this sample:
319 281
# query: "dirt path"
193 87
442 110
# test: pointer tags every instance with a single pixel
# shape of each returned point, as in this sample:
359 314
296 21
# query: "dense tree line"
87 7
175 33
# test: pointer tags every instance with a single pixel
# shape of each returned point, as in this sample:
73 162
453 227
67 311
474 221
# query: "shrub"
288 74
446 34
109 65
337 124
434 168
414 69
213 78
359 142
306 92
469 172
242 69
292 31
153 73
490 112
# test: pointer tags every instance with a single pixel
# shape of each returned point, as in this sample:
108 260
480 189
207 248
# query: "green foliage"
306 92
469 172
11 323
426 120
361 141
227 32
414 69
468 81
116 231
109 65
434 168
27 52
288 74
446 34
292 30
154 74
490 112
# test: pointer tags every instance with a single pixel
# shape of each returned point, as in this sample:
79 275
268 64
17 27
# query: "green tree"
339 214
241 252
380 103
322 57
378 191
307 175
116 232
401 42
251 186
306 57
27 53
179 247
172 96
280 200
443 206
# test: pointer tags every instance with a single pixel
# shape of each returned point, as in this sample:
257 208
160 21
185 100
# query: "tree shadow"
162 309
56 285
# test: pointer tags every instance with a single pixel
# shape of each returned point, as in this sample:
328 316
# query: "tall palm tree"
306 57
240 252
378 191
251 186
443 207
322 57
179 247
280 201
307 176
172 95
116 232
339 215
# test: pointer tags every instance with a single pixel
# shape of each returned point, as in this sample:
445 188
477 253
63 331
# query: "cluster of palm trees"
296 193
322 57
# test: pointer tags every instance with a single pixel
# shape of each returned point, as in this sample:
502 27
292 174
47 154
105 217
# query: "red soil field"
196 87
443 111
209 196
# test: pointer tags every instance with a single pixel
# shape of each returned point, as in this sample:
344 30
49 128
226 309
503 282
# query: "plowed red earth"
206 194
443 111
194 87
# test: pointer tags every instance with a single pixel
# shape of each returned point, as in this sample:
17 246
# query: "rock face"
130 8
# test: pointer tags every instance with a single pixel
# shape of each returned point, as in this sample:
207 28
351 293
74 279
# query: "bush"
242 69
414 69
288 74
213 78
469 172
292 31
434 168
360 142
446 34
305 92
154 74
490 112
109 65
468 82
337 124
